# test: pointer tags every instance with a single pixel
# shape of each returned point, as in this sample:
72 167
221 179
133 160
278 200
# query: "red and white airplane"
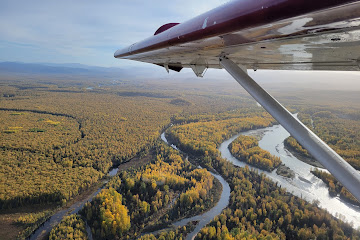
266 34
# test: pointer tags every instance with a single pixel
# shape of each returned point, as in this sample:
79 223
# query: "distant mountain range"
270 79
77 69
52 68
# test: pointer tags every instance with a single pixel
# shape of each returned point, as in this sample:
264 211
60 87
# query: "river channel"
206 217
305 184
45 229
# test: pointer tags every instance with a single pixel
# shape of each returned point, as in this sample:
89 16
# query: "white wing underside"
312 42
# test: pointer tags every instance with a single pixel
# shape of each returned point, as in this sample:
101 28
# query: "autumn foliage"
203 137
71 227
107 214
245 148
259 209
166 189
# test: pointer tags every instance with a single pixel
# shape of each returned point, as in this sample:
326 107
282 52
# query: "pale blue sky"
87 32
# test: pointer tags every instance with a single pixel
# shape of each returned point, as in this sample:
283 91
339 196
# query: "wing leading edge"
269 34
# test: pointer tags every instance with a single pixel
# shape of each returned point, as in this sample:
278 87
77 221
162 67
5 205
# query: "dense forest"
71 227
202 137
338 127
58 138
59 135
246 148
258 207
177 234
105 135
164 190
292 144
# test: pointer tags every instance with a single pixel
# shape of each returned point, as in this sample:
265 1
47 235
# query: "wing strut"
338 167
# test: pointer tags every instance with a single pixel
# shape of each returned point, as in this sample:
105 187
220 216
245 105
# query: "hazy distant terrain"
64 126
272 80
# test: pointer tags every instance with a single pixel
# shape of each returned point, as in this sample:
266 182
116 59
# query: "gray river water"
305 184
45 229
206 217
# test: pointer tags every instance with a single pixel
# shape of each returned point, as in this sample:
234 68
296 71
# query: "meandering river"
305 184
206 217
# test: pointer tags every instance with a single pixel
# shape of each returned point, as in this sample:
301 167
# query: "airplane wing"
261 34
266 34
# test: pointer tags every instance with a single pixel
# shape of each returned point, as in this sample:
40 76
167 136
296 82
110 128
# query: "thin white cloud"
83 29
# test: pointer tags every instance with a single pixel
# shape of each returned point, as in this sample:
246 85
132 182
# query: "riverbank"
336 189
308 160
220 202
43 228
11 228
208 216
165 232
74 207
10 217
304 184
246 149
213 199
300 176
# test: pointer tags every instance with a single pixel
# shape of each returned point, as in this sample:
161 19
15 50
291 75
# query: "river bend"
305 184
208 216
